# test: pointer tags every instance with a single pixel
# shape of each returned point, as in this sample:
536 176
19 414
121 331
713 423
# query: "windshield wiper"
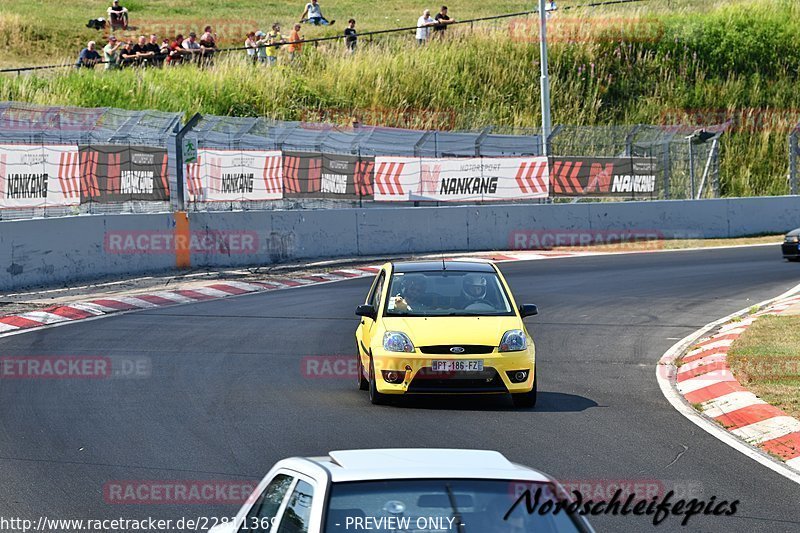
456 513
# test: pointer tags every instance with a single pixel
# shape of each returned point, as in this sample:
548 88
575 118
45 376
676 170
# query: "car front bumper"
419 378
791 250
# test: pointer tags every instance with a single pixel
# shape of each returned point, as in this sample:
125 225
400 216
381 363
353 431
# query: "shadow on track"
548 402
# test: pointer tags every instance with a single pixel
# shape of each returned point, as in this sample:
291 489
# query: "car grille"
469 349
428 381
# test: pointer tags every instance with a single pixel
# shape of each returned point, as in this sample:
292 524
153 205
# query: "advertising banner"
39 176
316 175
604 176
234 176
460 179
119 173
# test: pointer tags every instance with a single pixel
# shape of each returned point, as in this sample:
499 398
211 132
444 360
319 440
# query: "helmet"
474 287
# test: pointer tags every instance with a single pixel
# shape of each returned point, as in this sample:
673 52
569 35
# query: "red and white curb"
60 314
725 408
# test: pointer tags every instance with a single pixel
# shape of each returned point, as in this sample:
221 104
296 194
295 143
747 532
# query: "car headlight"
396 341
792 238
513 341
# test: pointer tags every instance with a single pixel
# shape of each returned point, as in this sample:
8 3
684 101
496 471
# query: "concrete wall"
65 250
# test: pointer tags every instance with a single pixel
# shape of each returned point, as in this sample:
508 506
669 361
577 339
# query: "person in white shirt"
118 15
424 25
313 14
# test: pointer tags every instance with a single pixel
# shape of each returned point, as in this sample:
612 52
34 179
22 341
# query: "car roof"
427 463
429 266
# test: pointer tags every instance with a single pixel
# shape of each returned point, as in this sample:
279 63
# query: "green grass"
621 65
766 360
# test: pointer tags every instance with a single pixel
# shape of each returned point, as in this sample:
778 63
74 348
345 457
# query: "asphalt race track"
227 396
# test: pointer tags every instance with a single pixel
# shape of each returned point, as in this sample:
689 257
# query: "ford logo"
457 349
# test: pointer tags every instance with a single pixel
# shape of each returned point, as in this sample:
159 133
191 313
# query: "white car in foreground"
400 490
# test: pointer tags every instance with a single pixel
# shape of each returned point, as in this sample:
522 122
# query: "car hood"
427 331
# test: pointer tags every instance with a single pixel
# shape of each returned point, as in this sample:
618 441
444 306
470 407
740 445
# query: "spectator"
164 50
128 56
118 16
144 55
442 22
153 47
176 51
209 38
350 36
111 53
275 39
424 24
261 43
193 48
295 44
313 14
251 45
88 57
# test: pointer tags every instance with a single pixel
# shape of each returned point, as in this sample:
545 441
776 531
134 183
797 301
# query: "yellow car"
444 327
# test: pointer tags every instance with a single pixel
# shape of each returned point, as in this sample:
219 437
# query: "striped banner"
235 175
39 175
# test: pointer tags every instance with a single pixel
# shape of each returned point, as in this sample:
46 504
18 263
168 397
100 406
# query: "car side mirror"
367 311
528 310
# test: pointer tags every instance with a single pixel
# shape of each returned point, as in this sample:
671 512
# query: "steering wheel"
479 305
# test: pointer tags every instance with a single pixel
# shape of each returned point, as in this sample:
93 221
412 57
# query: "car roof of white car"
398 463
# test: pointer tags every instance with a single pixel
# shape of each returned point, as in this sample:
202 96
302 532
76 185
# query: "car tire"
363 383
375 397
527 399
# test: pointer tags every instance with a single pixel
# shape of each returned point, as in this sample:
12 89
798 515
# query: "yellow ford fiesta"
444 327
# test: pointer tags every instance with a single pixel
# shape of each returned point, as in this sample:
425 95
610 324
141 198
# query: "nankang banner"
234 176
39 176
120 173
604 176
316 175
460 179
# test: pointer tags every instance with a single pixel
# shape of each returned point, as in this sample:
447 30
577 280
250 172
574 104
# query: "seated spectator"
443 20
251 46
295 47
313 14
275 39
128 57
111 53
424 24
88 57
350 36
118 16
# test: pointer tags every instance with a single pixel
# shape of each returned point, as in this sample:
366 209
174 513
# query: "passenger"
413 294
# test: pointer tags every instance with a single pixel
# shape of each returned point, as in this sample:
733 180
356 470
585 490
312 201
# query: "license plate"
463 365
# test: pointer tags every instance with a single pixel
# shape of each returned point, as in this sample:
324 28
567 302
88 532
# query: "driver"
412 296
473 289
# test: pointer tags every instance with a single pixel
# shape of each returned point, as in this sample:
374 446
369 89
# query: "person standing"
111 53
424 24
252 47
295 47
351 36
274 39
442 21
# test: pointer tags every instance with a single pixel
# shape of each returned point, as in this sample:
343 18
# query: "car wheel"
363 383
374 396
527 399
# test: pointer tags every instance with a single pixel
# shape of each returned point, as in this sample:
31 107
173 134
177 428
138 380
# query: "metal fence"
682 161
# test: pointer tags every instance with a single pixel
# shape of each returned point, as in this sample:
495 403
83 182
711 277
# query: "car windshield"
441 505
447 293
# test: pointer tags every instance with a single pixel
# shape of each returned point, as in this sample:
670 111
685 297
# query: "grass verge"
766 360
